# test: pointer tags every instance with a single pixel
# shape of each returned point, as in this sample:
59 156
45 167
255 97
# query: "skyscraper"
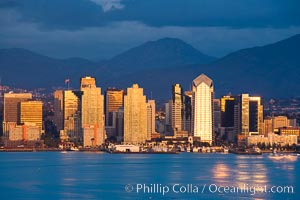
176 107
217 115
11 105
135 116
150 118
113 101
31 112
58 109
227 111
187 111
92 108
248 117
203 108
12 108
168 116
72 115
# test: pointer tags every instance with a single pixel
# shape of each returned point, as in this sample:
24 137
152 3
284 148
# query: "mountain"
162 53
271 71
24 68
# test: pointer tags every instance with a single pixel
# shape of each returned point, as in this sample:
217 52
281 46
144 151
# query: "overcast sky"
99 29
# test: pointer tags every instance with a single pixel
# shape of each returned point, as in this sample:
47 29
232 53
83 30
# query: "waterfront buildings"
202 105
22 119
135 116
92 110
271 139
274 123
93 136
289 131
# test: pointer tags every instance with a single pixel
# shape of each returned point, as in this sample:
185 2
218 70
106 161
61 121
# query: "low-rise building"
93 136
272 139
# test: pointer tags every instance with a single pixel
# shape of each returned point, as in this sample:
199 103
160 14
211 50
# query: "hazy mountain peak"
160 53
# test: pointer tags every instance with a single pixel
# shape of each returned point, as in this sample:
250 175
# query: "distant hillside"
161 53
24 68
271 70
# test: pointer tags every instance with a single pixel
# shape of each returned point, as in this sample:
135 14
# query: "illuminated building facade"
203 108
135 116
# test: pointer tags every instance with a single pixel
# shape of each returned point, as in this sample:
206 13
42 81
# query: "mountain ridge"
271 70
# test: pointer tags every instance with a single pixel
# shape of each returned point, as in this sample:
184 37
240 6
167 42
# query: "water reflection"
244 173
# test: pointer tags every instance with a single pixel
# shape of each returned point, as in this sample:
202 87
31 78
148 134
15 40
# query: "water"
78 175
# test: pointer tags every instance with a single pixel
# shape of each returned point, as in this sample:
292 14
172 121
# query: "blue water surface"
87 175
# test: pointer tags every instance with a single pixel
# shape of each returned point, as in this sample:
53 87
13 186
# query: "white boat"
74 149
225 150
195 150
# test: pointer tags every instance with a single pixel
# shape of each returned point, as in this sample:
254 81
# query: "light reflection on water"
53 175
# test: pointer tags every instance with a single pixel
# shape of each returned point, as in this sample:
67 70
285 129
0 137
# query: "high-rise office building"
135 116
120 125
168 116
59 109
227 111
203 108
72 116
217 114
12 108
11 105
31 112
150 118
248 115
92 108
113 101
177 107
187 111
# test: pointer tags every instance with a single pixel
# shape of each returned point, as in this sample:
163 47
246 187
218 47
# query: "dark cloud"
103 28
77 14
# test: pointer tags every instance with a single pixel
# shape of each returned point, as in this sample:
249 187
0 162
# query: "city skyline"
149 99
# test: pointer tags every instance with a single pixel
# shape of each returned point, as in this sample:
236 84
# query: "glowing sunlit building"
135 116
248 118
150 118
113 101
12 107
92 109
92 136
72 116
31 112
176 107
203 108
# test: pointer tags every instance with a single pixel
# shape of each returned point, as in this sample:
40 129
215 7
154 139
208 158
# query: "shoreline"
96 150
